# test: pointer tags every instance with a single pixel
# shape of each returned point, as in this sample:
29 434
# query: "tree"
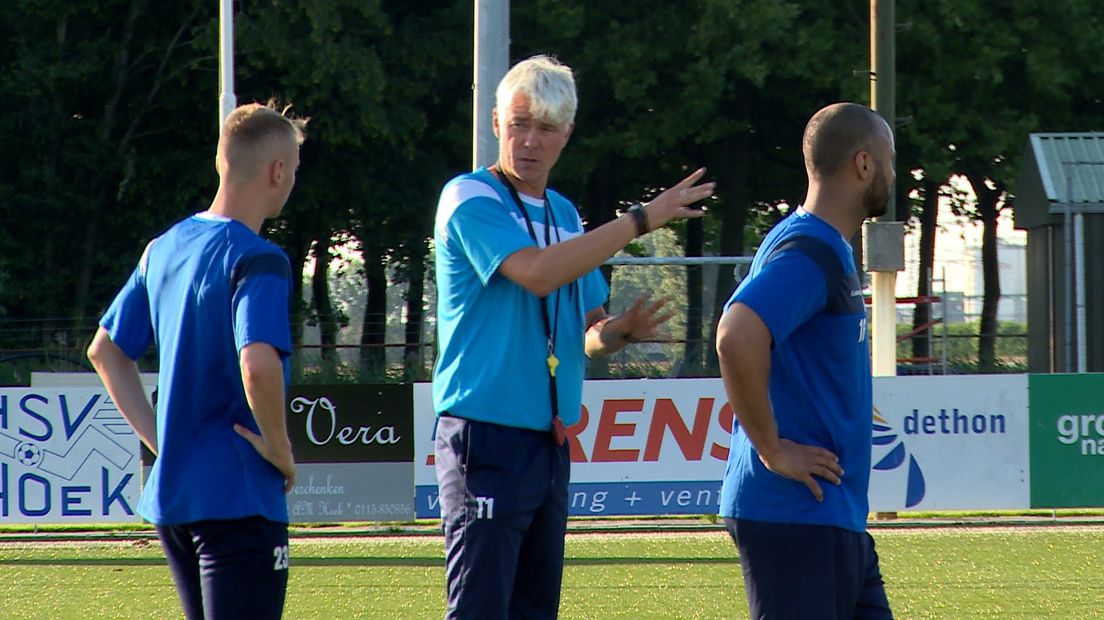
984 75
99 155
728 84
380 100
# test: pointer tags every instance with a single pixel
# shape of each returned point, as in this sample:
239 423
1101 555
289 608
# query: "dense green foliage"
951 574
111 116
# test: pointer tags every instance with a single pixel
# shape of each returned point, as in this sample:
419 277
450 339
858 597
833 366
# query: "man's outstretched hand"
642 320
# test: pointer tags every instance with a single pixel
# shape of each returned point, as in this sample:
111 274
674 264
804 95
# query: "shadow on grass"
426 562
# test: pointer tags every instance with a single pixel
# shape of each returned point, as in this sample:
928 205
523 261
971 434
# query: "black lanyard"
551 325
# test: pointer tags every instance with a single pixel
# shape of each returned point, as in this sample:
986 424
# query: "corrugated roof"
1071 166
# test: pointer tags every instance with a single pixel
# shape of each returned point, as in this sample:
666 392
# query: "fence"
695 288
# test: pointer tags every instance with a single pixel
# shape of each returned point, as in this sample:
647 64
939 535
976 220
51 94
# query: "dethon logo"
1085 431
884 435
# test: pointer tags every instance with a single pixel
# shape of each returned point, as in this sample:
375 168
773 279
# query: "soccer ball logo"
28 454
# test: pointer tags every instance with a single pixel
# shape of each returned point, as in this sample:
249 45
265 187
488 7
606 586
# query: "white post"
227 100
883 323
492 59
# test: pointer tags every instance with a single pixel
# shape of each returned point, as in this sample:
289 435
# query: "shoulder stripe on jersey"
817 251
266 263
143 263
843 294
455 194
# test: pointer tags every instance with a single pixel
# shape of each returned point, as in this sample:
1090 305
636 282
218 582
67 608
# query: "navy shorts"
798 572
230 569
503 504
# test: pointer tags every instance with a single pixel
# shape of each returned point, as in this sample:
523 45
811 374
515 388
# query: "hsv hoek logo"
65 455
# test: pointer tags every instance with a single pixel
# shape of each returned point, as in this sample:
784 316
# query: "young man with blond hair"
520 305
212 295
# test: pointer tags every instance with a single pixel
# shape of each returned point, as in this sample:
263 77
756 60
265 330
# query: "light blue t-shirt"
491 362
804 286
202 291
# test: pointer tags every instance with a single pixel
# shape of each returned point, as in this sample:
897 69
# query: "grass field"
951 573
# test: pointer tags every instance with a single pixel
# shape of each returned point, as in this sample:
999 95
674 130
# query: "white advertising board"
66 456
950 443
660 446
640 447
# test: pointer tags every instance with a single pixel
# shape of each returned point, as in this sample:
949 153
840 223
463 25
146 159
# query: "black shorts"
798 572
230 569
504 515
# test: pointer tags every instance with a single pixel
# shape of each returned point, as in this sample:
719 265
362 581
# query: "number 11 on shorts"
280 552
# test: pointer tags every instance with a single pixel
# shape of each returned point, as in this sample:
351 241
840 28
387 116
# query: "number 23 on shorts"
280 552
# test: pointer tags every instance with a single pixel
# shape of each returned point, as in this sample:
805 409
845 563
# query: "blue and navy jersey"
492 345
202 291
804 286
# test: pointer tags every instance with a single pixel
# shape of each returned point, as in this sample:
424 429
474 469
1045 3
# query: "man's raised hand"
675 202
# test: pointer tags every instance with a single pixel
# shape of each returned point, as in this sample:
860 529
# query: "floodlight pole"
227 99
492 58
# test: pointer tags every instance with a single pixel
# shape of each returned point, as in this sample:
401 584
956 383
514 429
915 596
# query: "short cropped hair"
835 133
549 85
248 133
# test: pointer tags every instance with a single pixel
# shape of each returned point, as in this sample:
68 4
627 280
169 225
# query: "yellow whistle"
552 363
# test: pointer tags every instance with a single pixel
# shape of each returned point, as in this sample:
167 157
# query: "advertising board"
66 456
1067 440
353 448
647 447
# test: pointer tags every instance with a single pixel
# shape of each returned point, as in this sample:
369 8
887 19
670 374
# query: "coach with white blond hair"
520 302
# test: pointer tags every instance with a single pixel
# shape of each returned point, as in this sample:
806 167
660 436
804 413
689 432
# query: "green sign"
1067 440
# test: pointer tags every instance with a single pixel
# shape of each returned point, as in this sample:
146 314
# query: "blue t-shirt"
491 362
202 291
804 287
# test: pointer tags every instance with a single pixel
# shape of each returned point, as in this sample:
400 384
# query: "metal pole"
1052 303
492 59
943 296
1067 231
227 99
883 79
883 284
1079 291
930 330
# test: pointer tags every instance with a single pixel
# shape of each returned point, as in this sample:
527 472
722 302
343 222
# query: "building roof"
1059 169
1070 161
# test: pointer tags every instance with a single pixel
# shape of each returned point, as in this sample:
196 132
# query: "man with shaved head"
212 295
795 361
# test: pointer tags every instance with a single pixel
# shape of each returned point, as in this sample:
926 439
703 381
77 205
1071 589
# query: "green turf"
956 574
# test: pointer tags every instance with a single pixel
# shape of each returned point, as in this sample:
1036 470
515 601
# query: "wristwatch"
640 218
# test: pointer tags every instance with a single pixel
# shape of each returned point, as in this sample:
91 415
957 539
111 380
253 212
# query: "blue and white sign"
660 446
950 443
66 456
